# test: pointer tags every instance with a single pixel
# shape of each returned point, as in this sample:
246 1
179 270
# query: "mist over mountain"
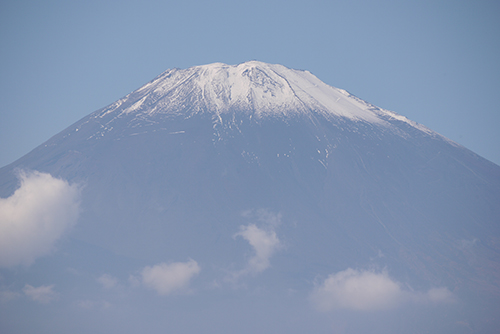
249 198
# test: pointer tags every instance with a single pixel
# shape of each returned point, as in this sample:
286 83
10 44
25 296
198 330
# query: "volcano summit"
249 198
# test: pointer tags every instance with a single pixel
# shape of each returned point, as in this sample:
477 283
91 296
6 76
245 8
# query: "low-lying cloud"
43 294
263 240
369 291
264 243
167 278
39 212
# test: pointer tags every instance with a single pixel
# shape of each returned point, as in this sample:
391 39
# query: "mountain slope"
184 166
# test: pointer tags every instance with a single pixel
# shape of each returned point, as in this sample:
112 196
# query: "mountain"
249 198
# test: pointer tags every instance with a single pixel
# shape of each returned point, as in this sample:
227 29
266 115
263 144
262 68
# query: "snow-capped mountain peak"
223 188
252 87
252 90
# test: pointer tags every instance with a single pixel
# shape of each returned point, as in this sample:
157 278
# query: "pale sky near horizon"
435 62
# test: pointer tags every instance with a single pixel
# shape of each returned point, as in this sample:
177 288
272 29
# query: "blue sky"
435 62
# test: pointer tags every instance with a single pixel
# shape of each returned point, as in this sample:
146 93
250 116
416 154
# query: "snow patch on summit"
319 96
252 88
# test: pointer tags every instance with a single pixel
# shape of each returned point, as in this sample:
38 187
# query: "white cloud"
263 240
134 281
357 290
265 216
35 216
438 295
369 291
43 294
167 278
264 243
108 281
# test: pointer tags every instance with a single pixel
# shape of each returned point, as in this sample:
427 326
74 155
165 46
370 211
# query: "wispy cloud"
43 294
363 290
8 295
436 295
108 281
92 304
264 216
263 240
39 212
264 243
167 278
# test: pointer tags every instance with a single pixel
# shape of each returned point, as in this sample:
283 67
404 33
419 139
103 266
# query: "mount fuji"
249 199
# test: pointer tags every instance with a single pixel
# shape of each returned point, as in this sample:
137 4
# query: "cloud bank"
369 291
39 212
168 278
